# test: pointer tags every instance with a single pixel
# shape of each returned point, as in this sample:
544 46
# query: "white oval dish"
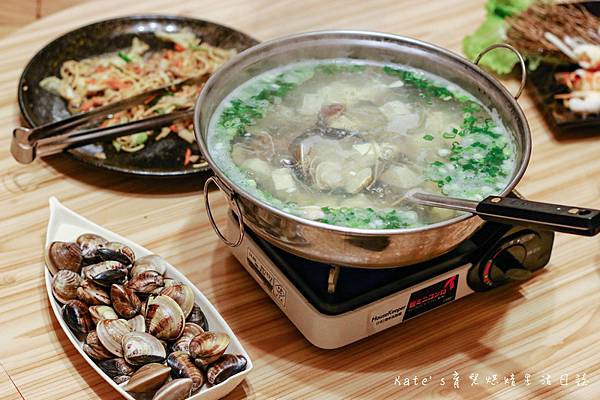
65 225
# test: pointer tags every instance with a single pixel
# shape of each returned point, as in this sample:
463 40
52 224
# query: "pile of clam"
143 329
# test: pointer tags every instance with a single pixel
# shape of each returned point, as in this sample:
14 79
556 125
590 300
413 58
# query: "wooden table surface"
14 14
548 325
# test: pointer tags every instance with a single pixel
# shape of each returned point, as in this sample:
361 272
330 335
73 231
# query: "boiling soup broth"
342 142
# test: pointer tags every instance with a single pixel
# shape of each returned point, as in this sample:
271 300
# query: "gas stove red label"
432 296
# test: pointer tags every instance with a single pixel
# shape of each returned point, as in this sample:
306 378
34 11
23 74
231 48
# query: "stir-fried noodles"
101 80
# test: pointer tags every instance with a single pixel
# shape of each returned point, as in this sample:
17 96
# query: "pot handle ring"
519 56
232 202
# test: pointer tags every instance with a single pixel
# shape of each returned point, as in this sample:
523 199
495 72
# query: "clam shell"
65 284
164 318
142 348
146 282
92 294
225 367
167 282
137 323
198 317
150 262
77 316
63 255
170 282
182 366
208 347
106 273
148 378
111 333
183 343
120 379
177 389
99 313
116 251
165 345
89 243
183 295
93 348
125 301
116 367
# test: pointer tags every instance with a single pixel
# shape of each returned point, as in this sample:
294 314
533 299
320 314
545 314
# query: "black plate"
162 158
565 122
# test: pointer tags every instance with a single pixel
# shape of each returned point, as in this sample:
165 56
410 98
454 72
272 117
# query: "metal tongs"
54 137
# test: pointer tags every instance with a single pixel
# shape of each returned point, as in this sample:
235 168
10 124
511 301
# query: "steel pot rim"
232 189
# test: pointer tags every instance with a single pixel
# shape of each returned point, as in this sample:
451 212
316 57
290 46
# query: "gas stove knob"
509 264
509 261
514 258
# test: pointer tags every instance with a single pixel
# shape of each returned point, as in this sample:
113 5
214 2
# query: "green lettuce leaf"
492 31
507 8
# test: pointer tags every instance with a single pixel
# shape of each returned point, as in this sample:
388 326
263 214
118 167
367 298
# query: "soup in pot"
343 141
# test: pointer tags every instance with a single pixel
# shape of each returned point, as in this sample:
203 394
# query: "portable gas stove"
353 303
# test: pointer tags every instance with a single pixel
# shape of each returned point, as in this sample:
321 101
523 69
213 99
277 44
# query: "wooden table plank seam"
11 381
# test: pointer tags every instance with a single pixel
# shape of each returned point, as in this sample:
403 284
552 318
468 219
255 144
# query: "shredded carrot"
149 99
92 80
100 68
177 63
91 103
188 156
116 84
168 54
179 47
174 128
86 106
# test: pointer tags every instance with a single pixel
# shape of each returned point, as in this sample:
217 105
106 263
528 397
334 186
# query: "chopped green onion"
331 69
426 87
429 138
155 100
242 113
361 217
198 48
124 56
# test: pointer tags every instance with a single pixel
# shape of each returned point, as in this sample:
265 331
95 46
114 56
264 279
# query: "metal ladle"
514 211
508 210
517 211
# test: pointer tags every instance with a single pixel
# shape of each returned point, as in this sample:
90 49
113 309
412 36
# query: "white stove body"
333 331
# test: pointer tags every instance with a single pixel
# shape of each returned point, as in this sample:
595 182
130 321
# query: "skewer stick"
555 40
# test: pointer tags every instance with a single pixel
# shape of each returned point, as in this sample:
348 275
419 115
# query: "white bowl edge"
65 225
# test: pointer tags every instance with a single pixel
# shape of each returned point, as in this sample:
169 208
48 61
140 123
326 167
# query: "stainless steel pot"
365 248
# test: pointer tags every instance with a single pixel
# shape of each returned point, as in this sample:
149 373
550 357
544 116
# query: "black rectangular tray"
564 122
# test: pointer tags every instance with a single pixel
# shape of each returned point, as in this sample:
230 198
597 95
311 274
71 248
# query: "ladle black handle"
518 211
554 217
